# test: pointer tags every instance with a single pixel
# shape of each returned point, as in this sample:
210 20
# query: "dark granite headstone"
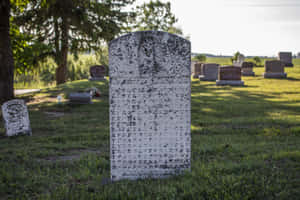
286 58
209 72
247 69
274 69
230 75
16 118
150 105
196 70
97 72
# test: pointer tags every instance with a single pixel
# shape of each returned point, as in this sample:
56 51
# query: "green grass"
245 145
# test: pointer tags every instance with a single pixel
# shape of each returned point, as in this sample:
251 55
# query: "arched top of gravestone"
149 54
97 71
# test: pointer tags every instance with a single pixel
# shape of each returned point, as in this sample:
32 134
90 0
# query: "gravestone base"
203 78
248 73
289 65
97 79
80 98
274 75
230 82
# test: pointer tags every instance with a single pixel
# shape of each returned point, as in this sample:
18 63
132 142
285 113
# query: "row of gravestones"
150 106
231 75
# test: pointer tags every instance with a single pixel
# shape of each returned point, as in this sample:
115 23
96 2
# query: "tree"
6 56
257 61
155 15
71 26
200 57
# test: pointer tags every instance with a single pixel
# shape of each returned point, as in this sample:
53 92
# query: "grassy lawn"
245 145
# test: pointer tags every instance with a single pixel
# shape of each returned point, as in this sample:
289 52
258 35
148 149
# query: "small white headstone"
16 118
150 105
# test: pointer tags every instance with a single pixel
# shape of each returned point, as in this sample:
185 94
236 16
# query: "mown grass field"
245 145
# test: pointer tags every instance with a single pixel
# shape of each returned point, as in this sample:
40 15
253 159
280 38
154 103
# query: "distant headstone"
274 69
247 69
230 75
150 105
16 118
239 61
196 70
97 73
80 98
286 58
209 72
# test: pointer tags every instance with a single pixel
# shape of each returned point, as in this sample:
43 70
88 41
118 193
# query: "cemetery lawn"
245 145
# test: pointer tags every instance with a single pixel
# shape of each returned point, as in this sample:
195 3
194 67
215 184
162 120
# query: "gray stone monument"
16 118
247 69
80 98
286 58
274 69
209 72
239 61
97 73
230 75
196 69
150 105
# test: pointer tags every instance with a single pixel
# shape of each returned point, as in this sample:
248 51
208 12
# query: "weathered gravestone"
209 72
150 105
230 75
97 73
16 118
286 58
80 98
196 69
247 69
274 69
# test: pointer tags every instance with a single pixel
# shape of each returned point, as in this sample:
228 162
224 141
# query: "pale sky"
253 27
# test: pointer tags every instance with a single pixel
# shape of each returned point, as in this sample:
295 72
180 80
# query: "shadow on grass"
231 107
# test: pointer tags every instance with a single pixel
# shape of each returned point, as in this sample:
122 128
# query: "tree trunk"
6 56
61 71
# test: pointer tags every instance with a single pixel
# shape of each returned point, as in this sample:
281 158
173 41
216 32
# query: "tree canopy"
70 26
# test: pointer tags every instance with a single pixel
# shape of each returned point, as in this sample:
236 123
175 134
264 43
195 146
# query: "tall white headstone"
16 118
150 105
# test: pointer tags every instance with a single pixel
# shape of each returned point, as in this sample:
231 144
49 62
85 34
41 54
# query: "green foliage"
257 61
70 26
235 56
200 58
155 15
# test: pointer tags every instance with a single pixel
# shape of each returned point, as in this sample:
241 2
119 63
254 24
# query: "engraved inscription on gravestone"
274 69
150 105
16 118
